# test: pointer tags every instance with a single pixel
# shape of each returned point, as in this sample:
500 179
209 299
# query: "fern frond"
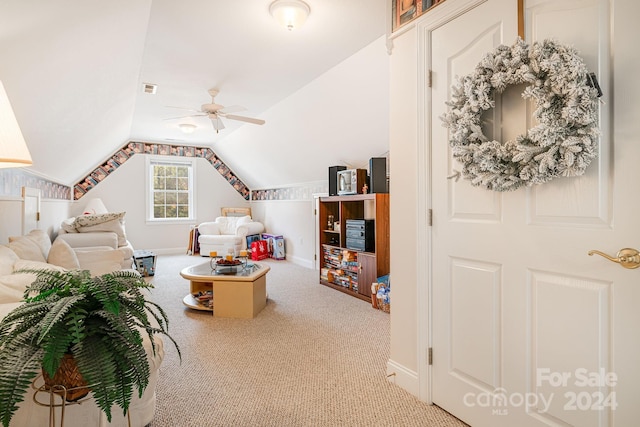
35 310
96 364
55 344
58 311
106 291
17 370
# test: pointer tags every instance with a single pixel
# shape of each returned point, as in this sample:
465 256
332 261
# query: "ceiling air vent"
149 88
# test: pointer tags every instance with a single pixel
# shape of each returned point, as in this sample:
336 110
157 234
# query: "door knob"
627 257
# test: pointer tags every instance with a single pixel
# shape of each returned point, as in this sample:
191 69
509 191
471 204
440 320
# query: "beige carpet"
312 357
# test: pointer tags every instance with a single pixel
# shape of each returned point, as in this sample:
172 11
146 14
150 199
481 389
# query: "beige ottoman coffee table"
239 295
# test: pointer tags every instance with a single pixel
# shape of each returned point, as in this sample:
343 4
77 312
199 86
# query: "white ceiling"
74 69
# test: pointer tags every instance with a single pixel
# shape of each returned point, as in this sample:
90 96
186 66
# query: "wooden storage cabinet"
348 270
368 273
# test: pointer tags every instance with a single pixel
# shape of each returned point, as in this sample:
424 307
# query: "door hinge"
429 73
430 217
315 257
315 211
37 216
430 356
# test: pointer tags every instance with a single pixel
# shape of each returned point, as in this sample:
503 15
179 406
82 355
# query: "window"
171 190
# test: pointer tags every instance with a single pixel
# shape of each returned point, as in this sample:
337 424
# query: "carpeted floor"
312 357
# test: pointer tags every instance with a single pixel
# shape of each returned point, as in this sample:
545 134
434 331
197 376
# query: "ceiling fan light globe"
290 14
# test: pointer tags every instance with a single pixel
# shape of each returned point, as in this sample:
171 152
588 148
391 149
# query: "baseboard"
403 377
169 251
301 261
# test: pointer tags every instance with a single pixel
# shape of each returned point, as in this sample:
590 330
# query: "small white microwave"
351 181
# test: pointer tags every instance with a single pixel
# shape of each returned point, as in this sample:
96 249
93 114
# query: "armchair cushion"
82 240
61 254
100 260
209 228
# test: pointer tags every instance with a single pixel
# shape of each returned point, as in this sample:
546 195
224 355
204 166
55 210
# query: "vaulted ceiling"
74 69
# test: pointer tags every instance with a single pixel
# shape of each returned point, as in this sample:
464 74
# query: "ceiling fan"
216 111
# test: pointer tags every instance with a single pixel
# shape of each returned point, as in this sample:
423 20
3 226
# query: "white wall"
403 190
293 219
52 212
124 190
341 118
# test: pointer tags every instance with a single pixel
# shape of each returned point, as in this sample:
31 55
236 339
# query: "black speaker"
333 179
378 175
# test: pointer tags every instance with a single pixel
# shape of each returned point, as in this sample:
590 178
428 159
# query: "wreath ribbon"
562 143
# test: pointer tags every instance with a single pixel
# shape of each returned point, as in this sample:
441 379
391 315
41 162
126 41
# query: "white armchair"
227 233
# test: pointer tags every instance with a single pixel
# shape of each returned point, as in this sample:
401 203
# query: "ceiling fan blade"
184 117
245 119
183 108
232 109
216 122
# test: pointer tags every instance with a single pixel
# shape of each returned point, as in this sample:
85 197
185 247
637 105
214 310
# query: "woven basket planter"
68 381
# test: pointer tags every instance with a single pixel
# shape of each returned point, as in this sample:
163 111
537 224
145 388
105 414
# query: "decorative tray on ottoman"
223 266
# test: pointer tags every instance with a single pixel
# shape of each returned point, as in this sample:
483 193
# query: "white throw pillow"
69 225
7 259
62 255
42 239
39 237
91 220
103 222
26 249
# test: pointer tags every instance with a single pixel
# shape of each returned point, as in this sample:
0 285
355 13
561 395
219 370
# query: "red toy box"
259 250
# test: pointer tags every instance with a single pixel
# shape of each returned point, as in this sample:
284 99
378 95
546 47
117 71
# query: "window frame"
152 161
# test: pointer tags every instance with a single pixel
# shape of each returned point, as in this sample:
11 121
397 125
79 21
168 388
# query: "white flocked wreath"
562 143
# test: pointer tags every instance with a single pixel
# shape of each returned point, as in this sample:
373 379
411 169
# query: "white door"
30 209
527 329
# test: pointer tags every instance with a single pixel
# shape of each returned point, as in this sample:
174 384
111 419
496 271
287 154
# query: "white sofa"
227 233
86 233
35 251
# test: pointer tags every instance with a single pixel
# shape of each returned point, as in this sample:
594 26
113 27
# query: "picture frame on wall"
405 11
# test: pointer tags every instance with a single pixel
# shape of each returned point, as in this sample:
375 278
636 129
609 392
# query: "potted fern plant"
97 322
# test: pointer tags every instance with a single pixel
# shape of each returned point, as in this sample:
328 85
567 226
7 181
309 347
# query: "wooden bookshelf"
348 270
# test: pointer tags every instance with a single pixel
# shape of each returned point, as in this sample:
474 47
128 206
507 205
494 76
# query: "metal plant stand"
61 392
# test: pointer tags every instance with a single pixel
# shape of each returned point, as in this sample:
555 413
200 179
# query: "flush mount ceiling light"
290 13
187 127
